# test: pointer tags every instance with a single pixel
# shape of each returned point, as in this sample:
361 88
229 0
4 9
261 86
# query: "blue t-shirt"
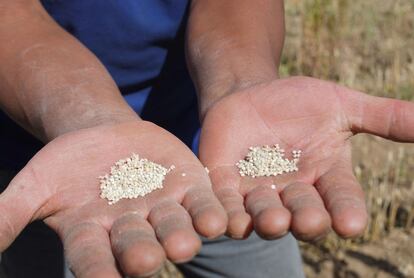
141 43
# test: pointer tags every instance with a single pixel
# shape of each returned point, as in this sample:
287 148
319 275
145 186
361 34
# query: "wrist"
223 66
62 124
213 92
232 45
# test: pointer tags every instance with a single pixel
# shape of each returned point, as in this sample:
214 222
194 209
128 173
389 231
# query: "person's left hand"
299 113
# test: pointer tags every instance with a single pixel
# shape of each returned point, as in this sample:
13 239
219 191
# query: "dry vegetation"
367 45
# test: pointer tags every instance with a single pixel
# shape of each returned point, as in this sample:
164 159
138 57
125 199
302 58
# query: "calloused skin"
298 113
60 185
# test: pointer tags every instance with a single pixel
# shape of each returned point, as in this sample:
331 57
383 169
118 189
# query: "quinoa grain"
267 161
132 177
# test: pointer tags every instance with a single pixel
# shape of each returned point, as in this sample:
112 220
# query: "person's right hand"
60 185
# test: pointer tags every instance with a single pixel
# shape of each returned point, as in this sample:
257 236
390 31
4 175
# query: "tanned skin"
58 90
55 88
233 52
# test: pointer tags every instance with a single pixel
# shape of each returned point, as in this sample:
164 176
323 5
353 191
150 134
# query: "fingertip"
240 225
310 224
142 260
272 223
208 216
88 250
182 245
344 199
211 223
350 223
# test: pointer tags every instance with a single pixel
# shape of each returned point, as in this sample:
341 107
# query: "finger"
344 200
18 205
136 247
209 217
270 218
225 186
175 232
310 220
389 118
88 251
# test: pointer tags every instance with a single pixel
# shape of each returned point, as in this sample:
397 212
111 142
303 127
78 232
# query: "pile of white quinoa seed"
132 177
267 161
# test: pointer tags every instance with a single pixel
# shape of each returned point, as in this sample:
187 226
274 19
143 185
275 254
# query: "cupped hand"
298 113
60 185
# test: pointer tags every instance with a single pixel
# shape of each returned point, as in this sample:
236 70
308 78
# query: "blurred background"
367 45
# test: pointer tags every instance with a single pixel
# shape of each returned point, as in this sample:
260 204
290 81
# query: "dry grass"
364 44
367 45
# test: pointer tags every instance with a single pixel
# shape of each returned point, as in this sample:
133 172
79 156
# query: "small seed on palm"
266 161
132 177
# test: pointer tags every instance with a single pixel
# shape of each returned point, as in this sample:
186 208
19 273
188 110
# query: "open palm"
60 185
298 113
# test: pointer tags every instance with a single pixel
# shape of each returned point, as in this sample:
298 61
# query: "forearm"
233 44
49 82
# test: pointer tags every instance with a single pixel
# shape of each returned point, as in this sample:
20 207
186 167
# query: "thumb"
389 118
18 204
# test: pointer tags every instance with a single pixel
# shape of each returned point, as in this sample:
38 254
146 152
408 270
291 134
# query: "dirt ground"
390 257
